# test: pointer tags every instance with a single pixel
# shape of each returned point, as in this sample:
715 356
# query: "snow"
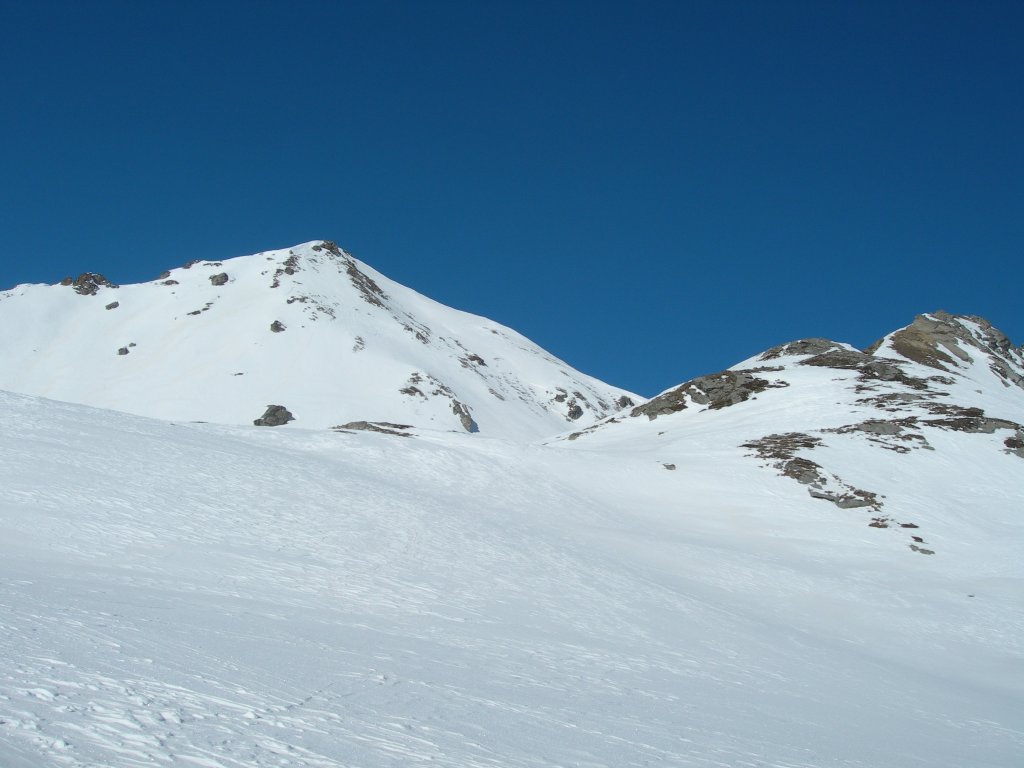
214 595
353 341
181 588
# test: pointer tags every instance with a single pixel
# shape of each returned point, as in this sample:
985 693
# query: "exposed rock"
575 411
891 434
113 305
289 267
870 368
384 427
624 402
169 282
669 466
921 341
853 499
782 446
277 326
804 471
274 416
894 401
367 287
122 351
779 450
190 264
88 283
974 423
719 390
966 419
800 347
219 279
163 275
1015 444
465 417
940 339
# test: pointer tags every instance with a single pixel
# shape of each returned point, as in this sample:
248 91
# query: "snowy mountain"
811 559
310 329
936 405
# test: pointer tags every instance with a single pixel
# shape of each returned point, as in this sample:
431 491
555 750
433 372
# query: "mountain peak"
955 344
310 329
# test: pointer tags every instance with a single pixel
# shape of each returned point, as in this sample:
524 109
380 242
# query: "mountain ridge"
309 328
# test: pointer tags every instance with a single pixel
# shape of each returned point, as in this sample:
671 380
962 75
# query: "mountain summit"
308 334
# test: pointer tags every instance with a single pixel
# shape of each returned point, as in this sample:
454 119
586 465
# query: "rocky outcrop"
88 283
945 341
277 326
719 390
383 427
465 417
870 368
219 279
780 451
800 347
274 416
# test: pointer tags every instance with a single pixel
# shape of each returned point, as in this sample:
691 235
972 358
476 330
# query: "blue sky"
651 191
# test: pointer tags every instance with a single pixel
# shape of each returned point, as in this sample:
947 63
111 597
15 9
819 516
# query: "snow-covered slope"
229 596
921 435
309 328
811 559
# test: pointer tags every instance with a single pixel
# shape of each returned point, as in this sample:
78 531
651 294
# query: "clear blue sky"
650 190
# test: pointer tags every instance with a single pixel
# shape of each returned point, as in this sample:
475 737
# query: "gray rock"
384 427
123 351
88 283
465 417
219 279
800 347
719 390
277 326
1015 444
274 416
113 305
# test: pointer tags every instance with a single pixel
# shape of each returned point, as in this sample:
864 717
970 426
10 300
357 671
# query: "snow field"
195 594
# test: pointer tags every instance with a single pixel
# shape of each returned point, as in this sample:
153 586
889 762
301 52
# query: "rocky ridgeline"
898 402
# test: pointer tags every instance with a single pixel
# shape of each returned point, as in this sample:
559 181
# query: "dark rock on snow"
275 416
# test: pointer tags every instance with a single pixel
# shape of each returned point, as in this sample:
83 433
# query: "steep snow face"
309 328
913 439
230 597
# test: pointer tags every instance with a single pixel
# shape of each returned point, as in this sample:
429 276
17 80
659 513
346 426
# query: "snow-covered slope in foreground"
308 328
222 596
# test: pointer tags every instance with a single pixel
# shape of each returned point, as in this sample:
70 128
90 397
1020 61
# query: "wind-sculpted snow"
203 595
